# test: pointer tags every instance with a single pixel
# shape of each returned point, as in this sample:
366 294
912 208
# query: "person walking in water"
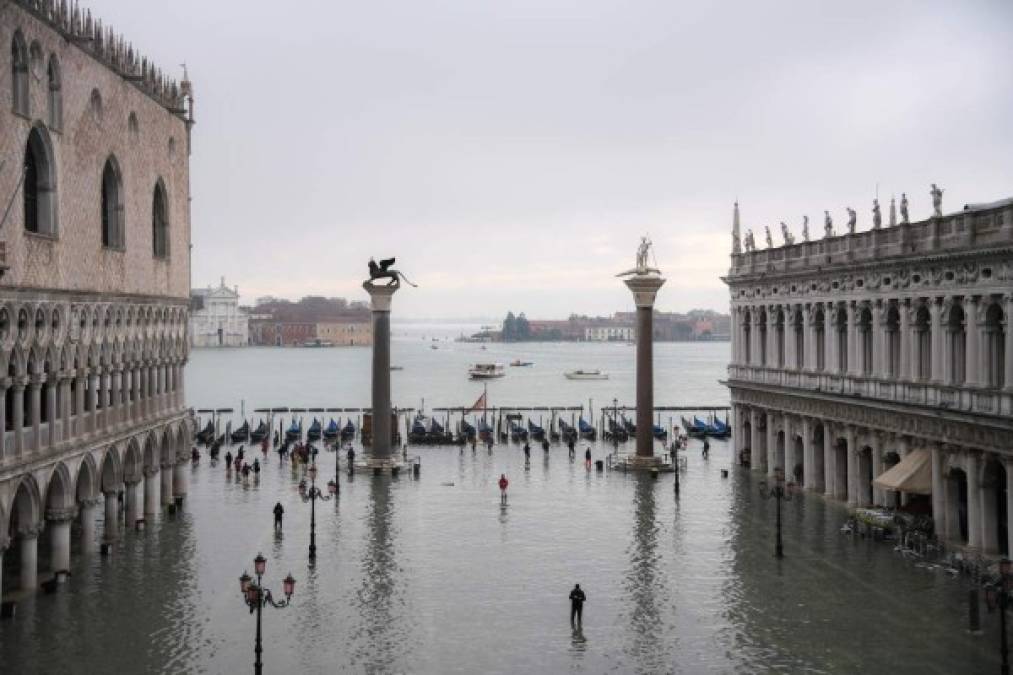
577 599
279 511
503 483
587 455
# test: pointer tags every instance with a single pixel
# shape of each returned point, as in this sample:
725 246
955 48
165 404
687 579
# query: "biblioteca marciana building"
94 162
876 367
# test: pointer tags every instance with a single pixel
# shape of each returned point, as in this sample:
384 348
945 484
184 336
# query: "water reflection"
645 582
380 638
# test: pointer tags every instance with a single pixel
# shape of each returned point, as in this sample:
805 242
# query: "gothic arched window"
160 222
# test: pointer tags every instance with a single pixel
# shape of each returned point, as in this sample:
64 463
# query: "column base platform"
645 464
388 466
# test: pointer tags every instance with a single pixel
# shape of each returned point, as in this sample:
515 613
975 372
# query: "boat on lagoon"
595 374
486 371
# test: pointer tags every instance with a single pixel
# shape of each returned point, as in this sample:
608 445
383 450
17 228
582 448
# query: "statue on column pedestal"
642 266
877 217
852 219
828 225
384 271
788 238
770 239
937 201
805 228
903 209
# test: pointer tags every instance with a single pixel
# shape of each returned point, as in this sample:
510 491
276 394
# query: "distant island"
698 325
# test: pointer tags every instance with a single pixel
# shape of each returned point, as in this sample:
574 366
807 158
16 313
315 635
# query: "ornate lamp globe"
260 564
289 585
244 583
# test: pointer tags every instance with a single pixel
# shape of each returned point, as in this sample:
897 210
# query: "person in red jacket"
503 483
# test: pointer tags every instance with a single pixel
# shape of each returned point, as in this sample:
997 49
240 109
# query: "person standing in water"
577 599
279 510
503 483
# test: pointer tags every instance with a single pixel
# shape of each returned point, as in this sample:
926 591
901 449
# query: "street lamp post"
778 492
997 596
311 496
256 596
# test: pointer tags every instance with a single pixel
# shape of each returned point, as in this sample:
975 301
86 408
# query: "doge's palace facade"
852 352
94 160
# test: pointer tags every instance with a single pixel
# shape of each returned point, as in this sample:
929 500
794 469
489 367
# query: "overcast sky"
511 153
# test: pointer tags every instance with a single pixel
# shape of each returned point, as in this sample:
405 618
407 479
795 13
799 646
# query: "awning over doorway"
912 474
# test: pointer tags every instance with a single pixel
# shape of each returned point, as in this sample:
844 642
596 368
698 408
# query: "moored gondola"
586 430
294 432
313 433
695 428
242 434
332 431
207 434
348 431
260 433
485 431
536 432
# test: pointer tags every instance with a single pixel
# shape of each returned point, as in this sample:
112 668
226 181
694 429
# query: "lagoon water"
434 575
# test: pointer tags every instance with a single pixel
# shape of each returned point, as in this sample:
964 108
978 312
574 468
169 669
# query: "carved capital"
61 515
31 531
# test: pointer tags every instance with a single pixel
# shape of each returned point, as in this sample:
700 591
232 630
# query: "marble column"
4 449
935 313
734 328
829 462
771 444
52 439
850 435
973 501
381 298
644 287
755 449
142 392
880 358
878 496
852 329
111 530
151 491
35 391
833 339
809 314
19 416
789 450
116 409
58 524
93 385
789 339
29 550
179 479
808 463
133 499
167 469
904 339
972 377
87 509
80 423
1008 385
1009 504
66 433
938 497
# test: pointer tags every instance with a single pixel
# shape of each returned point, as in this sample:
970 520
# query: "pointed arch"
59 490
112 204
86 485
132 461
55 93
39 185
19 75
112 471
160 221
26 506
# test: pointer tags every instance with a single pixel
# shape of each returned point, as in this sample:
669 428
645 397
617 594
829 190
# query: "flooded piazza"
434 575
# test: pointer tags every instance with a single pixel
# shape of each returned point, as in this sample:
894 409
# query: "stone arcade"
851 352
94 160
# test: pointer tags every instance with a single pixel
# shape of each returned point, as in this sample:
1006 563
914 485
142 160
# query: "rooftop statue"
750 242
893 211
788 238
642 267
805 228
770 239
937 201
828 225
903 209
736 243
383 270
852 219
877 217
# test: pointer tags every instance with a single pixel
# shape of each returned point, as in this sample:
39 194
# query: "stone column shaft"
167 470
755 451
53 413
1008 348
852 467
19 419
935 312
87 526
179 480
973 502
133 502
829 463
59 532
151 491
29 561
35 389
973 342
904 339
771 445
789 450
645 289
4 450
112 516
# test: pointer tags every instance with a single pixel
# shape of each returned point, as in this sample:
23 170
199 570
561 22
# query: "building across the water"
216 319
94 160
313 321
887 348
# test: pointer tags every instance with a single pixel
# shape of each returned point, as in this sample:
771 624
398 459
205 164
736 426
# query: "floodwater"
434 575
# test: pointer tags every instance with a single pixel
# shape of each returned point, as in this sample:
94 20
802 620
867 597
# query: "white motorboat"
486 371
595 374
